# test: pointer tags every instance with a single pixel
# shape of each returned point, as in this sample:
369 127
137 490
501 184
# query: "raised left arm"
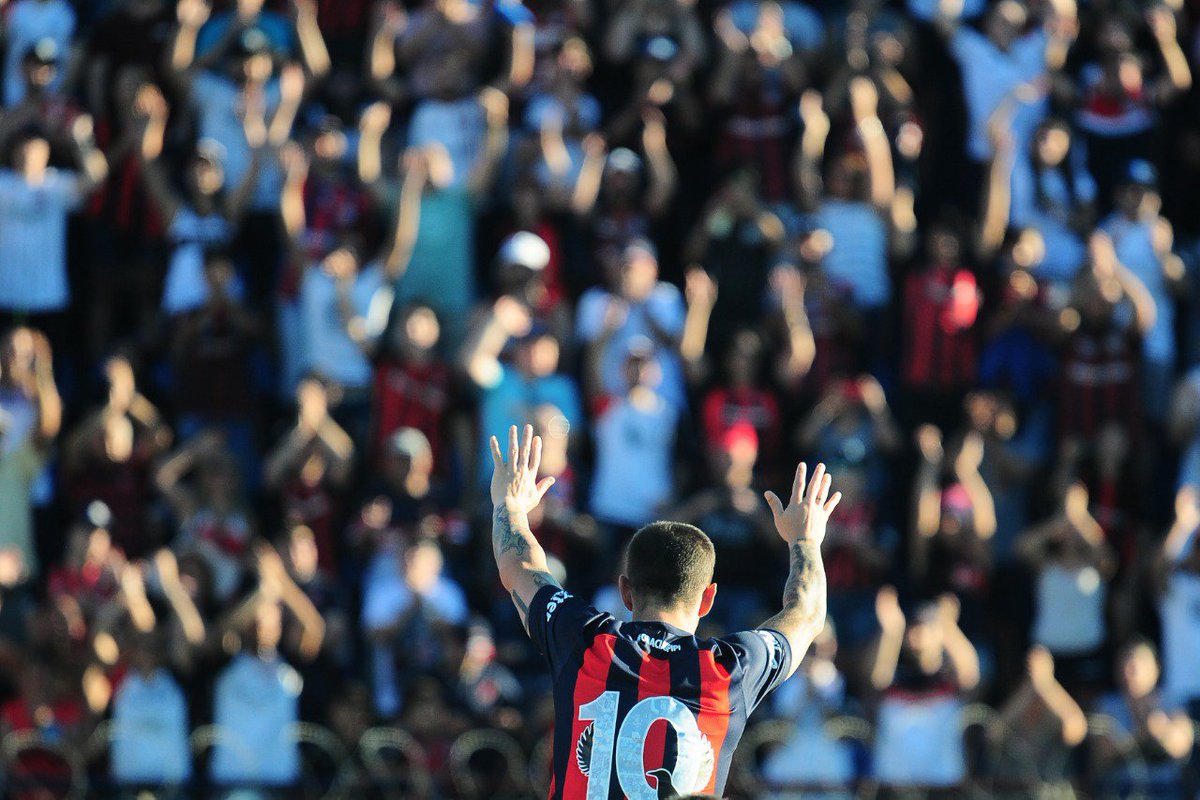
515 492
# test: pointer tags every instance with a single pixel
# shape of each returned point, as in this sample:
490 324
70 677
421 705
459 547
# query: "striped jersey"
644 710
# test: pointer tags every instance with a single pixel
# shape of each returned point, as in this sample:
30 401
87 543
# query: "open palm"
807 513
514 483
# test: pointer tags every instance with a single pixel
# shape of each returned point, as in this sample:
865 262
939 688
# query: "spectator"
511 393
941 306
1073 566
923 669
635 426
35 199
27 24
1142 241
1039 725
206 217
109 457
740 527
1162 734
807 700
150 722
310 466
638 306
1178 564
414 388
30 419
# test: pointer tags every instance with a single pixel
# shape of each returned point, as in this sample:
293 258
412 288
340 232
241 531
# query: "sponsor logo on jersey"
558 599
658 644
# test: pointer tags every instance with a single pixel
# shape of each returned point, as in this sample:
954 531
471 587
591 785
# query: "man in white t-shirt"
256 703
639 306
150 723
636 426
35 200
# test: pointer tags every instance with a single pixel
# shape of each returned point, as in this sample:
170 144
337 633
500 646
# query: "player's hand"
808 513
514 483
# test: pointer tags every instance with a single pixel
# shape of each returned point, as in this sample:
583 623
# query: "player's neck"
675 617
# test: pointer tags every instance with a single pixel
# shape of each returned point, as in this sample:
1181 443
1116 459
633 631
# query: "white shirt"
666 307
33 240
191 234
633 462
1134 242
28 23
1180 613
150 731
255 704
328 348
918 741
859 256
989 74
219 104
1070 610
459 125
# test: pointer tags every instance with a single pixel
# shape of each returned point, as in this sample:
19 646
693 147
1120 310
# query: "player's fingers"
824 493
814 485
544 486
535 459
773 501
526 446
497 457
832 503
514 449
798 482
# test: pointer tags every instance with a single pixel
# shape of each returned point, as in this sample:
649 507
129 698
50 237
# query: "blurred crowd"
271 271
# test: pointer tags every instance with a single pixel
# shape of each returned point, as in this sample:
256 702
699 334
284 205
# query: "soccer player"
646 709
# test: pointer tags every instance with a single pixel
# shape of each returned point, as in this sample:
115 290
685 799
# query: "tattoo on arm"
804 593
522 609
505 537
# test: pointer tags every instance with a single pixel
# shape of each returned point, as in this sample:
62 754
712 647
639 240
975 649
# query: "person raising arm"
515 492
802 525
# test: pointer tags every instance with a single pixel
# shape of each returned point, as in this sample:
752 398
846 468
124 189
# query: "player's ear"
707 598
626 591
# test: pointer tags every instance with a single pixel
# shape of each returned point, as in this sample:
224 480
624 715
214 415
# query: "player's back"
642 709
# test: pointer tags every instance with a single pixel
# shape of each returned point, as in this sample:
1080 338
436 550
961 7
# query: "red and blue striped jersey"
644 710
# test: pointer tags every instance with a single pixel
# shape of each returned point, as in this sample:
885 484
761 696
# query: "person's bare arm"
515 492
881 172
1178 77
701 293
591 175
292 85
408 215
1054 697
886 651
487 163
181 55
312 43
811 150
181 603
381 55
802 525
966 468
481 354
47 401
963 658
997 200
153 108
661 167
93 165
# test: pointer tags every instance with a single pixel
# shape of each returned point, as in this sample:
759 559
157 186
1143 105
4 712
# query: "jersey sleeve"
557 620
765 659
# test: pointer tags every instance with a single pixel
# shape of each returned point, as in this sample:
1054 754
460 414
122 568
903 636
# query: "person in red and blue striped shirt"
647 709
